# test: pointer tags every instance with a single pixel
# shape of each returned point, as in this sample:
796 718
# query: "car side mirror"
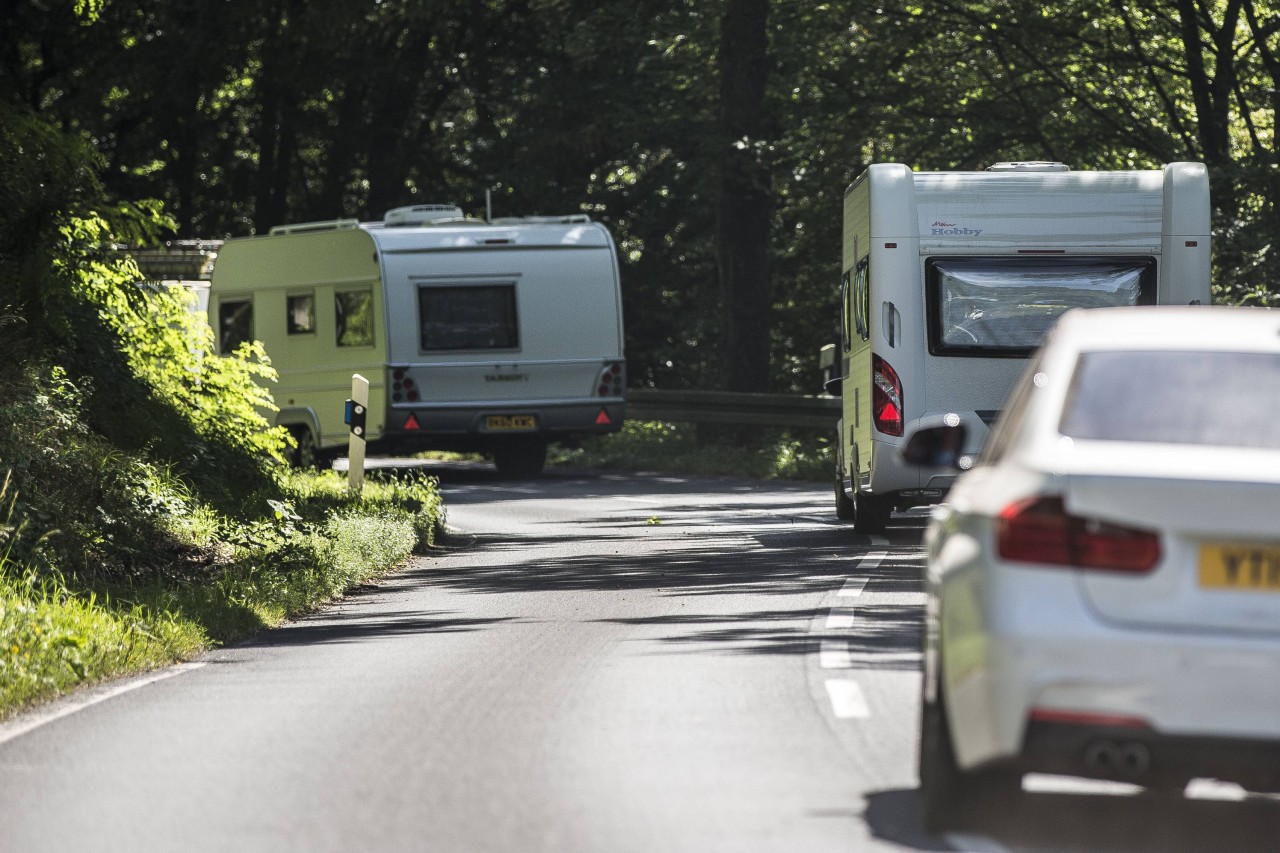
938 445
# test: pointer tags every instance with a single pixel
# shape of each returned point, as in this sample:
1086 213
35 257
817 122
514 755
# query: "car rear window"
1176 397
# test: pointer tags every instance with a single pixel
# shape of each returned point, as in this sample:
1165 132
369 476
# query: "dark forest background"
714 137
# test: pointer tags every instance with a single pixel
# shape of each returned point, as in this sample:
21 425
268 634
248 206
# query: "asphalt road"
592 662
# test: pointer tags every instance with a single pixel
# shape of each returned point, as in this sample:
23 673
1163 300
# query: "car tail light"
1039 530
886 397
613 378
1087 718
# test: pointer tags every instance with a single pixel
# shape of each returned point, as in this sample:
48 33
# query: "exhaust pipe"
1134 759
1101 758
1128 760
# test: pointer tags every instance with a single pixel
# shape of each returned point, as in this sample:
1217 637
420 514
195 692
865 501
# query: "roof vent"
1029 166
421 214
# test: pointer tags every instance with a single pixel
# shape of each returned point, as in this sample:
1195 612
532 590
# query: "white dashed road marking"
834 654
847 701
869 561
840 617
845 694
852 587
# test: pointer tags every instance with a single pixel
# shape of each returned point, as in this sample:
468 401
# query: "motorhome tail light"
886 397
613 378
1040 530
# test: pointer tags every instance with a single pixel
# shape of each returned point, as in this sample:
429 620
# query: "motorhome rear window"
1196 397
1001 307
468 317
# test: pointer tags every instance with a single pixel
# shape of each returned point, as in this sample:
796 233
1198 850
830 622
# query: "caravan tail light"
403 387
613 378
886 397
1039 530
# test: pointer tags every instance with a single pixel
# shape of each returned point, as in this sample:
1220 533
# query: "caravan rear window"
468 317
1002 307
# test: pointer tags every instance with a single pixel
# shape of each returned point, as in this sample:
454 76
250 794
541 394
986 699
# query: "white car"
1103 583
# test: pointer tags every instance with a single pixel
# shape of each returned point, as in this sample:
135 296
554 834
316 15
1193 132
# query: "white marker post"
357 410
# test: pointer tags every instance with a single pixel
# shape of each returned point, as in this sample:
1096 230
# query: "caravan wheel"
520 457
305 455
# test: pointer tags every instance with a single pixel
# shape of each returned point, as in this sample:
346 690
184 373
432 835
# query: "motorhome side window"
235 324
862 298
353 310
846 313
1003 306
467 317
300 313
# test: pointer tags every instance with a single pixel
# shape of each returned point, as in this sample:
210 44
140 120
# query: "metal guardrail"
725 407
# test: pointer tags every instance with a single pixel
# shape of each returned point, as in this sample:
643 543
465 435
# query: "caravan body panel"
950 278
478 331
322 269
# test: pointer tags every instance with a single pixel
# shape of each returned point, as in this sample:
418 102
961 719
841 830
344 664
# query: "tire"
940 777
871 513
520 457
305 454
844 504
951 798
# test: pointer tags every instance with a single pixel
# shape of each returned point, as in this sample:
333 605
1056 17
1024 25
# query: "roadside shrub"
79 503
51 640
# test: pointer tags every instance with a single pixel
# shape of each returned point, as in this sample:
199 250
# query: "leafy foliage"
299 111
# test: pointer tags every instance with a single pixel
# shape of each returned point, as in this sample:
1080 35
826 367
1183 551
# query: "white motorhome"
496 336
951 278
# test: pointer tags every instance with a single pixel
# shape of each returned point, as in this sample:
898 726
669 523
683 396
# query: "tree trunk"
744 202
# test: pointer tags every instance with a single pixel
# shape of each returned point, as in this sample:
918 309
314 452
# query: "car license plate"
511 423
1249 567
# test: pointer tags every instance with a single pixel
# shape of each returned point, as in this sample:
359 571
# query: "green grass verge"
57 634
678 448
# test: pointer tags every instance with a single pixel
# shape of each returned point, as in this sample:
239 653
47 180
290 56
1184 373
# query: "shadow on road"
692 538
701 549
1058 823
344 625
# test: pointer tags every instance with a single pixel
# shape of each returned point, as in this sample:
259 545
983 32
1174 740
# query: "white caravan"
495 336
950 280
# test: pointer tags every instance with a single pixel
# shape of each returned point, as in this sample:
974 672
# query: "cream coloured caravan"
950 280
496 336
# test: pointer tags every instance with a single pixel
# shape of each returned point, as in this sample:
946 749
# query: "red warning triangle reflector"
412 422
603 417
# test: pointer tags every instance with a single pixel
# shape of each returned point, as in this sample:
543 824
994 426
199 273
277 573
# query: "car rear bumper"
1062 660
1148 757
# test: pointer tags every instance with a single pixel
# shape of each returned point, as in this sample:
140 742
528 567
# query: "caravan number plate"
511 423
